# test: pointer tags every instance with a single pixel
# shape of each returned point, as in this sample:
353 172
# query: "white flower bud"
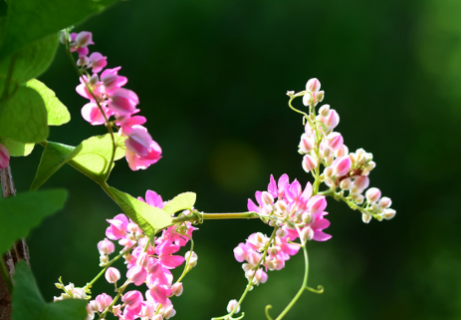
267 198
389 214
193 258
366 217
373 195
307 234
345 184
385 202
324 110
232 305
359 199
177 289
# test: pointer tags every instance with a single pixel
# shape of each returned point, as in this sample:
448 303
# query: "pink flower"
132 299
112 80
105 247
117 228
341 166
313 95
80 42
158 292
331 120
123 102
4 157
137 274
154 199
139 140
137 162
97 61
104 301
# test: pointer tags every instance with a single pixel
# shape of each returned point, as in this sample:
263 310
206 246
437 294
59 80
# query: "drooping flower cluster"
4 157
345 170
147 264
295 212
107 98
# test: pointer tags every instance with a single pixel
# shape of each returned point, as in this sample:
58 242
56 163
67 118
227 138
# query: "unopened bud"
324 110
341 166
309 163
177 289
359 199
328 172
168 311
345 184
233 304
93 79
373 195
306 144
341 152
385 202
307 217
361 183
103 259
112 275
157 317
63 38
290 93
59 286
193 258
326 152
370 166
389 214
267 198
94 306
307 234
366 217
281 233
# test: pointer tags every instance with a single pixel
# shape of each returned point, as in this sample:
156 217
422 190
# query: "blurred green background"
212 78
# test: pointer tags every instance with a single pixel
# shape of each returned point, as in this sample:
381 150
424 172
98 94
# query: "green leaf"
94 155
57 112
181 202
28 303
17 149
147 217
29 20
53 158
30 61
23 117
21 213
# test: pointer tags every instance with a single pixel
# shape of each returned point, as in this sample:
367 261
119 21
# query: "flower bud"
385 202
359 199
290 93
324 110
331 120
341 166
260 277
112 275
157 317
389 214
63 38
105 247
143 260
193 258
307 217
366 217
306 144
307 234
313 85
177 289
168 311
360 184
341 152
281 233
78 293
103 260
232 305
328 172
345 184
281 206
59 286
373 195
267 198
93 306
84 38
309 163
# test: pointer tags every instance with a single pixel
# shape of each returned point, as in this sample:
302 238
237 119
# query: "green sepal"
23 116
53 158
21 213
93 157
181 202
57 113
17 149
28 303
150 219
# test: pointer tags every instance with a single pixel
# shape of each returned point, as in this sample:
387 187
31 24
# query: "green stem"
185 271
5 275
108 264
216 216
304 285
119 294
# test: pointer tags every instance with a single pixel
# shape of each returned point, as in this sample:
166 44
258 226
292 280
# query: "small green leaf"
23 117
30 61
21 213
29 20
147 217
95 153
17 149
57 112
181 202
53 158
28 303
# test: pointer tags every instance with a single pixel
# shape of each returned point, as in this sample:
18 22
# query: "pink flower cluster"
146 264
4 157
343 169
107 98
295 212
